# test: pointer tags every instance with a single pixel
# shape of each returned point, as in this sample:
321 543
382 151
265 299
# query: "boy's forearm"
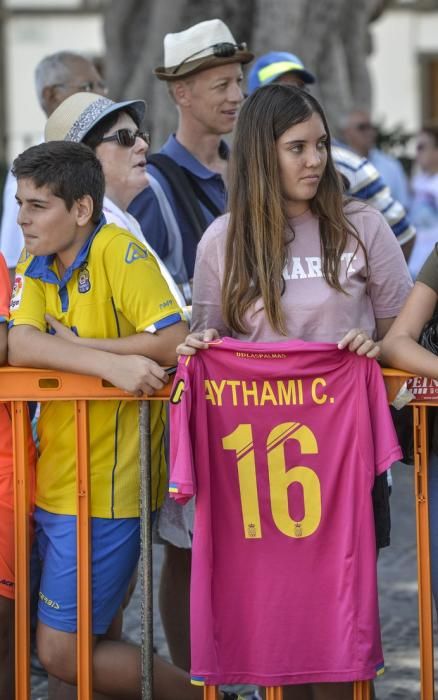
29 347
159 346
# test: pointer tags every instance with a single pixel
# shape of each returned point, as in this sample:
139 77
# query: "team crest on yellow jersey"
84 284
135 252
17 292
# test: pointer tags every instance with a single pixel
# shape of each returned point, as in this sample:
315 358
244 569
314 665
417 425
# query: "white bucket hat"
205 45
79 113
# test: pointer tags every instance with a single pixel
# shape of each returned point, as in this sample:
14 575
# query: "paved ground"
398 602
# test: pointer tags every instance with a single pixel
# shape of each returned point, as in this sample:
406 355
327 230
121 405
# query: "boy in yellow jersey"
89 298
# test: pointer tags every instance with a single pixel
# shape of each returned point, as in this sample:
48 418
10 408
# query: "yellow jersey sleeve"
28 301
139 290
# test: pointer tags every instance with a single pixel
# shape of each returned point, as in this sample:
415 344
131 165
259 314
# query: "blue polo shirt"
147 211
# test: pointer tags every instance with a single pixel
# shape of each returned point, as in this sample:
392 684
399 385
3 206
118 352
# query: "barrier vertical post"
84 605
21 515
146 551
423 553
362 690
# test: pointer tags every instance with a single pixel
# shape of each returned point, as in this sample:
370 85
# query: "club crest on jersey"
17 292
252 531
178 392
84 284
135 252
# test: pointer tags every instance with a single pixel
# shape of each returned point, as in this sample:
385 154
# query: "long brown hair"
256 247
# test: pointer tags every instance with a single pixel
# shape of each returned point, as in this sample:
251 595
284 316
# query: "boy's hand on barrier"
359 342
197 341
136 374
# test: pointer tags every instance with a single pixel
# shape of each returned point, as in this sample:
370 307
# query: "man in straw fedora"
203 72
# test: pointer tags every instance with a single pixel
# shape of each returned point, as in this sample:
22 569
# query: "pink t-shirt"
281 444
314 311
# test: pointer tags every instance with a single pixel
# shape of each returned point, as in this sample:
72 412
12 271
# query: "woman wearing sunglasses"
112 130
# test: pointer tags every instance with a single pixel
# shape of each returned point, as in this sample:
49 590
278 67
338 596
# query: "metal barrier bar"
22 550
84 643
147 643
21 385
362 690
423 553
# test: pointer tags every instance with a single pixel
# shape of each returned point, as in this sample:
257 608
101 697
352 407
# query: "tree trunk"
330 36
134 33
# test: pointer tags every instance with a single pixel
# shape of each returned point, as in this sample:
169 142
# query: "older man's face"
83 77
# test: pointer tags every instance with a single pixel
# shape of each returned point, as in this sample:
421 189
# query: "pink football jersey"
281 444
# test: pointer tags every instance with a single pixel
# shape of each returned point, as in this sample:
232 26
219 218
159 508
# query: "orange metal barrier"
21 385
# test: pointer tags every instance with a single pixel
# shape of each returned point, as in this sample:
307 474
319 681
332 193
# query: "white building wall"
399 38
28 40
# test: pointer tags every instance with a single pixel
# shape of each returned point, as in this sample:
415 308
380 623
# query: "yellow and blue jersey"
113 289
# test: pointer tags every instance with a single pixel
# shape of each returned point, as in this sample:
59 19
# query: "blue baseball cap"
271 65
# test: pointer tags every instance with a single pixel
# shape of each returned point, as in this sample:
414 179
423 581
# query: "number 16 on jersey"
241 441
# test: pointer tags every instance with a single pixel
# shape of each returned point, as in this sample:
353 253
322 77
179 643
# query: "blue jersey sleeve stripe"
167 321
3 319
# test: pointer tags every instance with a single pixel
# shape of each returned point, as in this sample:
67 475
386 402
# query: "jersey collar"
41 265
175 150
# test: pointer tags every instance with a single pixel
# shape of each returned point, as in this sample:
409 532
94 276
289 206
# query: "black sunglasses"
223 50
126 137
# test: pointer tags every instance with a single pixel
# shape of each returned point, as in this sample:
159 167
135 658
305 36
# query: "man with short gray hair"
62 74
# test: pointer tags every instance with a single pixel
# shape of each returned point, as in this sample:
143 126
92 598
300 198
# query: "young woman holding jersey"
294 259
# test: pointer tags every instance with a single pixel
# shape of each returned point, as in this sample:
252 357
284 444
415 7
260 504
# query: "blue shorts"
115 552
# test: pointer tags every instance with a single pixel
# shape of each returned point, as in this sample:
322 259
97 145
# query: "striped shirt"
366 183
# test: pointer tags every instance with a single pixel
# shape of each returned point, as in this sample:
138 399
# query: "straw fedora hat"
205 45
79 113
